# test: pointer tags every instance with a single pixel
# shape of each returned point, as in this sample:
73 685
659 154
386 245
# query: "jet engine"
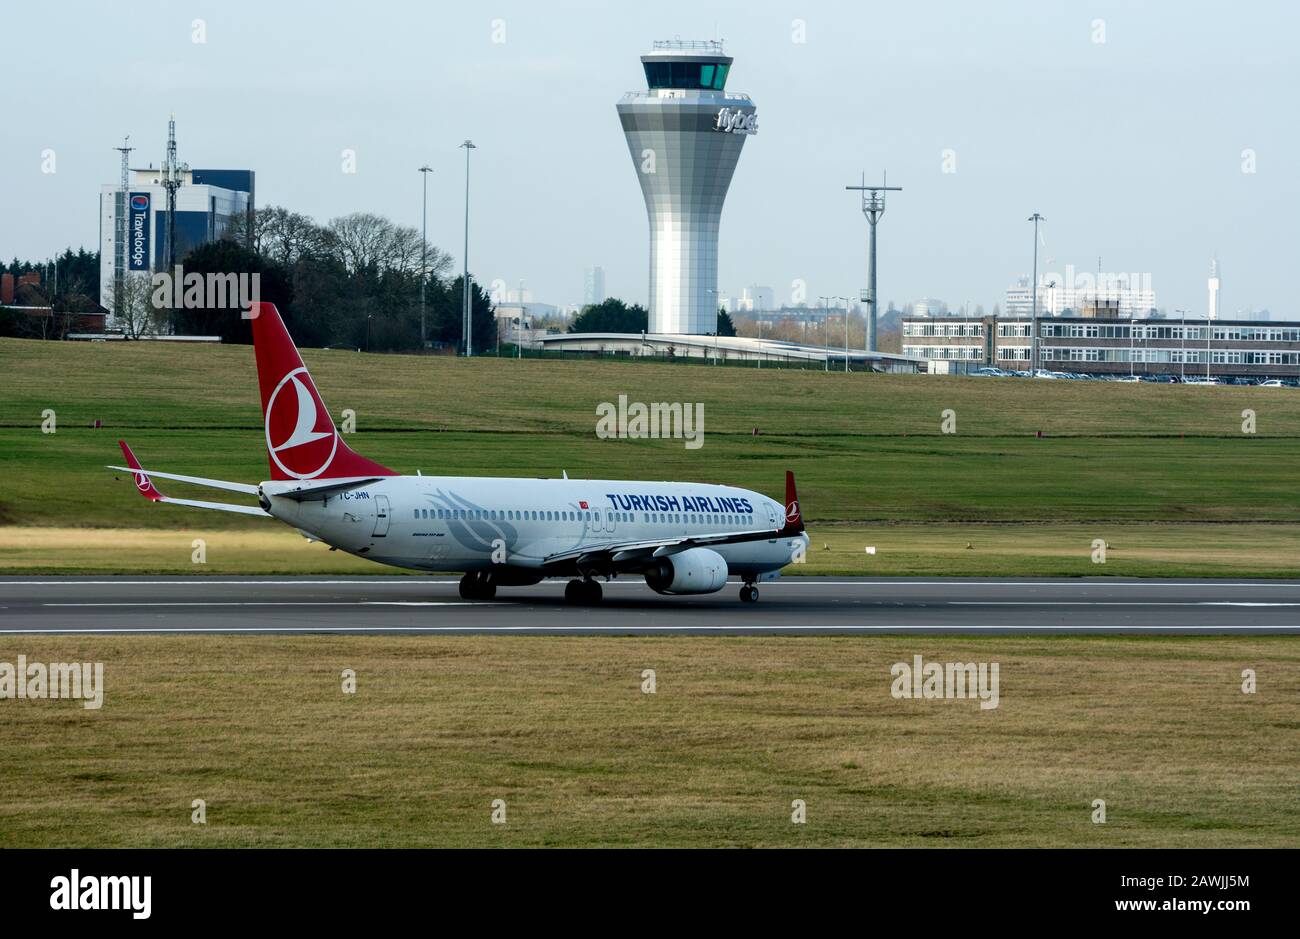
696 570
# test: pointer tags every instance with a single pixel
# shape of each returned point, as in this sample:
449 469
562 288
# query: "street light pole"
467 146
1132 340
1182 358
846 333
826 329
424 249
1209 332
1033 318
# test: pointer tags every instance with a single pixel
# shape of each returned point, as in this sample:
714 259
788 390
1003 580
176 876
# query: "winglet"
142 482
793 514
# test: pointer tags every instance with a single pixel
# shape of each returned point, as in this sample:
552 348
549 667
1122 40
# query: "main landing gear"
583 592
477 585
749 593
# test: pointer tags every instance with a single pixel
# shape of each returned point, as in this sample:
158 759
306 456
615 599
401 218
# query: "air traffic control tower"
685 135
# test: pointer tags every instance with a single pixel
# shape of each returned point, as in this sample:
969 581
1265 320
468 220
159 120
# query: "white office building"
133 227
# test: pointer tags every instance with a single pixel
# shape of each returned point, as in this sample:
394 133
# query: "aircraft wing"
620 552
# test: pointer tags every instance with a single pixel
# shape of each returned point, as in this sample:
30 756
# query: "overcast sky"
1132 148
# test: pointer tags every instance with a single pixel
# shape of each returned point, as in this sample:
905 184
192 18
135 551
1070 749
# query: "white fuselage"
459 523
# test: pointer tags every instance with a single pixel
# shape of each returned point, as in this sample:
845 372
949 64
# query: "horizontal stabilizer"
195 480
219 506
147 489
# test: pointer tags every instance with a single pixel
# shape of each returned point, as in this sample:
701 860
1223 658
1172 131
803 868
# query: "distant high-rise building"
1131 294
1214 287
756 299
593 288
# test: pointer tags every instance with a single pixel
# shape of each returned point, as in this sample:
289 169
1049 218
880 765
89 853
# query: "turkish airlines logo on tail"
299 433
792 512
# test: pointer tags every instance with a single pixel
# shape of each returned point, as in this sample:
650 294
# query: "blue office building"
133 226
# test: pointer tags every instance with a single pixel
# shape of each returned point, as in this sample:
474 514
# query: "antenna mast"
873 206
172 179
119 224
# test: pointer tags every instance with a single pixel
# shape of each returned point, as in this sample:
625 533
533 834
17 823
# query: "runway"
791 606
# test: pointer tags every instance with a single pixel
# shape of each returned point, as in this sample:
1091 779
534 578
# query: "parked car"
1273 383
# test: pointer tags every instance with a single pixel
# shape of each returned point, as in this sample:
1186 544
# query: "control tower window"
699 76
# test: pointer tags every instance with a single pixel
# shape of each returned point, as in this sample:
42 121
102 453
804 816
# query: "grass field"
1011 549
867 449
738 728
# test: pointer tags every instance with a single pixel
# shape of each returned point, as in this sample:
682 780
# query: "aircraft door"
381 516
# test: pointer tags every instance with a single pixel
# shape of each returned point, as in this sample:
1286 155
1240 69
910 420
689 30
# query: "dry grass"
1146 550
738 728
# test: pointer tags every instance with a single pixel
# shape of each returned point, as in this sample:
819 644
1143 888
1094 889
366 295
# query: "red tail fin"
301 440
793 514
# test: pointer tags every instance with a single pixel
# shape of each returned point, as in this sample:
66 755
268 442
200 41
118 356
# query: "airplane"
683 538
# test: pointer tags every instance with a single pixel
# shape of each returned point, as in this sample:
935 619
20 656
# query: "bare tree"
133 306
362 240
404 254
286 236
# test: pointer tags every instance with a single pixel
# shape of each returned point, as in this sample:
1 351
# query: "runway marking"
290 603
522 601
637 630
415 580
1112 603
